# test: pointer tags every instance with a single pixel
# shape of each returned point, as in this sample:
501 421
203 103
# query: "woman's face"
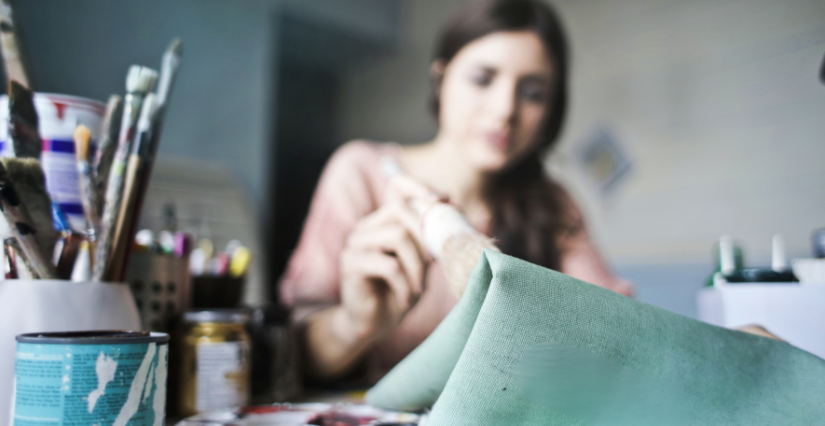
494 96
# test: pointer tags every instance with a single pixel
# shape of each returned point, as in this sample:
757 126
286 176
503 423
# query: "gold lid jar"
215 361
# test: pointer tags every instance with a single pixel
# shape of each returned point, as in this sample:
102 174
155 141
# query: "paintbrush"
10 46
82 270
9 262
452 241
21 268
23 122
30 184
147 148
22 226
65 259
169 66
135 168
446 234
139 81
88 195
109 131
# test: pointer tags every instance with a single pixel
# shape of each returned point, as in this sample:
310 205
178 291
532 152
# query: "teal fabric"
468 368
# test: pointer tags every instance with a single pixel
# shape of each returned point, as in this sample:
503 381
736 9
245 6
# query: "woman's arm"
581 260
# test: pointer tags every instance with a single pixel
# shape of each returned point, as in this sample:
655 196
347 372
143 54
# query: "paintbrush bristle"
82 135
175 47
147 113
170 63
140 79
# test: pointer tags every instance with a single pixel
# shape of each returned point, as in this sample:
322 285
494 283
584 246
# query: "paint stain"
25 228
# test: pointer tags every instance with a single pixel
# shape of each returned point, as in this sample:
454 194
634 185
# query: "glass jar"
215 361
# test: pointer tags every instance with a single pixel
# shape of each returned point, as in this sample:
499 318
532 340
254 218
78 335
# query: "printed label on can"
90 384
222 375
62 180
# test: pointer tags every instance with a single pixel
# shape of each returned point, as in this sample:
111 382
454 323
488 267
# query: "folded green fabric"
528 345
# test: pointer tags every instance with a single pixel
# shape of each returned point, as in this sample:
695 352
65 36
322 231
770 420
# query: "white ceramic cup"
31 306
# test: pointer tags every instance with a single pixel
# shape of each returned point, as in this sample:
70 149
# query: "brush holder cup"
162 288
31 306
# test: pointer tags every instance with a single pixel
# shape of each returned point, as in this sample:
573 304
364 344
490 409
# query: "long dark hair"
528 210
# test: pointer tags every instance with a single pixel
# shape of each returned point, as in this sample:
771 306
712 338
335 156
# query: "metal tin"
90 377
215 361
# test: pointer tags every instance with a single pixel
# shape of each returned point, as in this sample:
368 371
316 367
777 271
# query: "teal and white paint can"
89 378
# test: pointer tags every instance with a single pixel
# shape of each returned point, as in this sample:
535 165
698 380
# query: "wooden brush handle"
89 198
123 239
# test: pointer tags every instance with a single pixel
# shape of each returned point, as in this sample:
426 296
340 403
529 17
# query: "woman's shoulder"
355 168
363 152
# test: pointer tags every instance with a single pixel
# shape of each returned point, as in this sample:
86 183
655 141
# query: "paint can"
215 361
90 378
58 116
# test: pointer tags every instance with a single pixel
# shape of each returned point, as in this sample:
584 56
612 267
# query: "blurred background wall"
715 105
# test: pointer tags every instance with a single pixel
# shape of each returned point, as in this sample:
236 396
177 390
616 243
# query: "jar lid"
236 316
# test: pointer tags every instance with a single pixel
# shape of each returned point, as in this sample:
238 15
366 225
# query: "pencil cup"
162 288
31 306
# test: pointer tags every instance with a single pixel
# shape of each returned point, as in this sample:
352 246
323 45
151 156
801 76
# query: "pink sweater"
352 186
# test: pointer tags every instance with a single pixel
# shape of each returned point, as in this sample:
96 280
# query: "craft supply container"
29 306
91 378
215 363
162 288
276 357
223 292
58 116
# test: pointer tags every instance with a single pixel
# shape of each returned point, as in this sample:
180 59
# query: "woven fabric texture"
466 369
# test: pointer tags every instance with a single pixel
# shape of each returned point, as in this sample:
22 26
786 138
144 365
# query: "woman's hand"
383 262
382 276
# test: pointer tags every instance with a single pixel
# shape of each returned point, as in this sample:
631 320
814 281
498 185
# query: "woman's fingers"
392 215
373 264
396 240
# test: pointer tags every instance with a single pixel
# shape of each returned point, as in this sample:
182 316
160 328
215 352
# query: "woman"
499 95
